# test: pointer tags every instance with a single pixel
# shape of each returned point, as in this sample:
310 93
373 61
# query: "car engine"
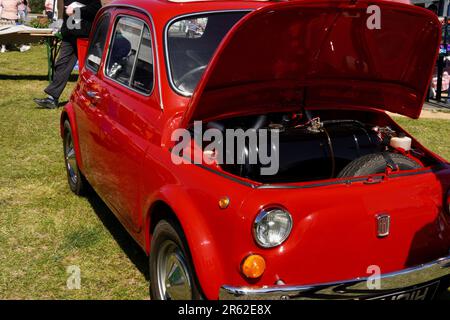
310 148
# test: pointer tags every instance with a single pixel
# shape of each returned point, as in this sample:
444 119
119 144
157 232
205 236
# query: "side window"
143 74
97 44
130 58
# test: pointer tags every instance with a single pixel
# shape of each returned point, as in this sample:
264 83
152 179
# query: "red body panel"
326 56
122 142
82 46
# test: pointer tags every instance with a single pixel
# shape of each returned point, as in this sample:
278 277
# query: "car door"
131 108
87 97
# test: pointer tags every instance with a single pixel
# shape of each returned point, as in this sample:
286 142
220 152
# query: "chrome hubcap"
71 161
173 274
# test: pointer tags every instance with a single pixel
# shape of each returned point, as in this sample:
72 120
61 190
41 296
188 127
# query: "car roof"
166 9
180 7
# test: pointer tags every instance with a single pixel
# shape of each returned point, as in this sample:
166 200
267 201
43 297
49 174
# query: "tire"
77 182
376 163
170 254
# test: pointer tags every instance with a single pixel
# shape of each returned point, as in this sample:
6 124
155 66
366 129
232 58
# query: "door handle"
93 95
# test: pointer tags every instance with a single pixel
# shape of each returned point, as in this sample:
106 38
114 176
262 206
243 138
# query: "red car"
341 203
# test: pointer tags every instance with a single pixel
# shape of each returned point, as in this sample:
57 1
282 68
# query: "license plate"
424 292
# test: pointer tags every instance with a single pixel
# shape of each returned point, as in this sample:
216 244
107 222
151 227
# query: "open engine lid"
321 54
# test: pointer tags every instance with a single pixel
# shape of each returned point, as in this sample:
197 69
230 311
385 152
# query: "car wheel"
172 276
376 163
75 178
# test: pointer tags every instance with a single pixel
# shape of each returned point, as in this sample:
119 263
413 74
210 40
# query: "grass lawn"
432 133
44 228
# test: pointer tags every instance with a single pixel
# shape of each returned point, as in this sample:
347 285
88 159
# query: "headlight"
272 226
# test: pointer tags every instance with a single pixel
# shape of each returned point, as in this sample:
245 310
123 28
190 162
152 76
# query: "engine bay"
326 144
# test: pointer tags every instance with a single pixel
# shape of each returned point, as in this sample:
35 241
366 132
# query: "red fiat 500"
245 146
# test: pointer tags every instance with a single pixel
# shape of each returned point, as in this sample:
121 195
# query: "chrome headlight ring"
272 226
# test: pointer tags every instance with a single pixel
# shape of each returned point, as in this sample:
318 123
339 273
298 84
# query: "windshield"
191 42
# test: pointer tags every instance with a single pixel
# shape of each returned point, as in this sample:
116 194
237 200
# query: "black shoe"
47 103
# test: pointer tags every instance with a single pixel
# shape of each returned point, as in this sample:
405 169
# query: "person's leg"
24 47
21 17
64 65
63 68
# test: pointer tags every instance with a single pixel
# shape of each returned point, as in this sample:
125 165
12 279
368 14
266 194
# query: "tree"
37 6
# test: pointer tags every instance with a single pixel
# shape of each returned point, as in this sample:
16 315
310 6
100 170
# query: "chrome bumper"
413 283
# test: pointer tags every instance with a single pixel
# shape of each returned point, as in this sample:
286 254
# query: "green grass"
44 228
432 133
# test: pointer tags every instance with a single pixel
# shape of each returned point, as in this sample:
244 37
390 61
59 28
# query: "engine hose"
330 146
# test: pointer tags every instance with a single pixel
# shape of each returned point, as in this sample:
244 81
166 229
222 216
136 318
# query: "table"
20 34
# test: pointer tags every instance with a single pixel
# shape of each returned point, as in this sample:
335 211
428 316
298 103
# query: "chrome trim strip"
223 175
355 289
166 51
344 181
308 186
261 215
312 185
138 52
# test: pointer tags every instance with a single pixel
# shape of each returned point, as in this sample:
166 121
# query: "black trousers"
68 56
